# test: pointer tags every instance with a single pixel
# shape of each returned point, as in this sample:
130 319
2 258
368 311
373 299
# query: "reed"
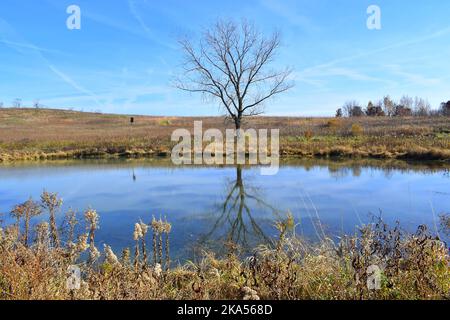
52 203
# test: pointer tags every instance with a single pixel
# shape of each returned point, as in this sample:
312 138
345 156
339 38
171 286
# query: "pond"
209 205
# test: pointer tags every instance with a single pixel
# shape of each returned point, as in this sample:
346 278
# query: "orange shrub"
357 130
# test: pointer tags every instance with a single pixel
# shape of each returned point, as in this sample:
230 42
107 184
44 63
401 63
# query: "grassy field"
32 134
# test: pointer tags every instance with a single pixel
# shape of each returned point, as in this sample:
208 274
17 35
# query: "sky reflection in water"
207 205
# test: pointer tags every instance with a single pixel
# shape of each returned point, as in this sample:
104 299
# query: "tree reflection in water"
235 222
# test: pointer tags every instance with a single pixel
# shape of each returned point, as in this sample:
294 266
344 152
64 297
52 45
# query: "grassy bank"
35 263
33 134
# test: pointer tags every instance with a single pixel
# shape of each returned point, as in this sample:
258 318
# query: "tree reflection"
235 221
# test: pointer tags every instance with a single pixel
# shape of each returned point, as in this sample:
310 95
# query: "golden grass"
29 134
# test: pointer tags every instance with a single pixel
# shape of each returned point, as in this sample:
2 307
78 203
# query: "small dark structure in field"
131 120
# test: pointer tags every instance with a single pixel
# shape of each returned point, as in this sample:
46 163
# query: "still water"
208 205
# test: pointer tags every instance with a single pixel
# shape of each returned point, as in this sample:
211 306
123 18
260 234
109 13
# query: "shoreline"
338 152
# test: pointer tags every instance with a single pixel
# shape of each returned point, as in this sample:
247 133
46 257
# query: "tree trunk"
237 123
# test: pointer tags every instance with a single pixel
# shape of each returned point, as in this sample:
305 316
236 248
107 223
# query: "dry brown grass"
46 134
412 266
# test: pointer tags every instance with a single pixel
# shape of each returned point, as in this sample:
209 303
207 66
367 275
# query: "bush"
402 111
334 125
445 108
375 111
357 130
165 123
309 134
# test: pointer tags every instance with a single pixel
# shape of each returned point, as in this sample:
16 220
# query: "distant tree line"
445 108
17 103
386 107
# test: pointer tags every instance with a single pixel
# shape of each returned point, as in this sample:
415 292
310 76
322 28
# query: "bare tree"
36 104
388 106
352 109
407 102
232 65
422 107
17 103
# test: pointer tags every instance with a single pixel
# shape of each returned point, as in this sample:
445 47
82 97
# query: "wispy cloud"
318 77
411 77
397 45
135 11
67 79
294 18
29 46
10 37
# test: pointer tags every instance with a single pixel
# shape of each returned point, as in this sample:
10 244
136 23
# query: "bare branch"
232 64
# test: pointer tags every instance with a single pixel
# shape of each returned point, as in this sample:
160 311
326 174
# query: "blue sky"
125 55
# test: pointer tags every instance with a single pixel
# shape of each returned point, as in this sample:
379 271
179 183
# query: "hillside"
28 134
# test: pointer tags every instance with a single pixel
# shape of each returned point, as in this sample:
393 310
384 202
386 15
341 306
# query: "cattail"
42 238
167 229
91 217
74 249
125 256
18 213
72 221
137 232
82 244
154 225
160 248
144 229
111 258
136 257
157 270
136 236
160 228
52 203
11 235
94 254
